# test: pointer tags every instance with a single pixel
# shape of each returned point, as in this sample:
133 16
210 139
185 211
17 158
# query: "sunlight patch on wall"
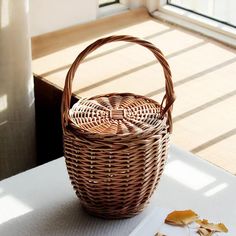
31 91
4 13
3 122
3 103
10 208
187 175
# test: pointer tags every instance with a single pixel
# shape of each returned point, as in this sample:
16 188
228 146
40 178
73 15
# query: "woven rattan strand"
116 145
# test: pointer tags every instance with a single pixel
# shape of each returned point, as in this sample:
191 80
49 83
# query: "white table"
41 201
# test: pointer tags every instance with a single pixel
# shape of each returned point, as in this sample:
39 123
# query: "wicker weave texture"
115 180
116 144
115 114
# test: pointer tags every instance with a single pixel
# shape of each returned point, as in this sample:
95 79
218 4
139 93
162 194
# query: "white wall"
50 15
131 4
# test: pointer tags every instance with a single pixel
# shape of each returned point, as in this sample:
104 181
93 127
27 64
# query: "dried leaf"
181 218
159 234
204 232
212 227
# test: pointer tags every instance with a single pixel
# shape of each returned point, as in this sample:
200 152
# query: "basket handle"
168 98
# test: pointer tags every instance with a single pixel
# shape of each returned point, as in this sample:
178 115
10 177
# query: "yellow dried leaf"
181 218
212 227
159 234
204 232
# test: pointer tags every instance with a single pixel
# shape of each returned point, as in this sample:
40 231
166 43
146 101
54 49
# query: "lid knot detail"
117 114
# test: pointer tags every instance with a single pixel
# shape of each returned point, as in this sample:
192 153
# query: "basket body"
115 147
114 174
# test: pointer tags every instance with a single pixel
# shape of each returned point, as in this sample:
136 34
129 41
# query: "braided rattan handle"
168 99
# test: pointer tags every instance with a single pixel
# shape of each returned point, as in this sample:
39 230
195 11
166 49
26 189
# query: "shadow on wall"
48 120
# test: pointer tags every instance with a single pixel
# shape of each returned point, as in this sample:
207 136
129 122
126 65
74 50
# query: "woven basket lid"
116 114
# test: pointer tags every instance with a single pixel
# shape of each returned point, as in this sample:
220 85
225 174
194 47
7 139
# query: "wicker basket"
116 145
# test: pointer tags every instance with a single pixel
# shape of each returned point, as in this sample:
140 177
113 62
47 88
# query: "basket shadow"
67 219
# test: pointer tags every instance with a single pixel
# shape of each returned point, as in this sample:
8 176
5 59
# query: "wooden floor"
204 74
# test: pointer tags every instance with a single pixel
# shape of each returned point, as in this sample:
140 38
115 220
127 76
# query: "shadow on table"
67 219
